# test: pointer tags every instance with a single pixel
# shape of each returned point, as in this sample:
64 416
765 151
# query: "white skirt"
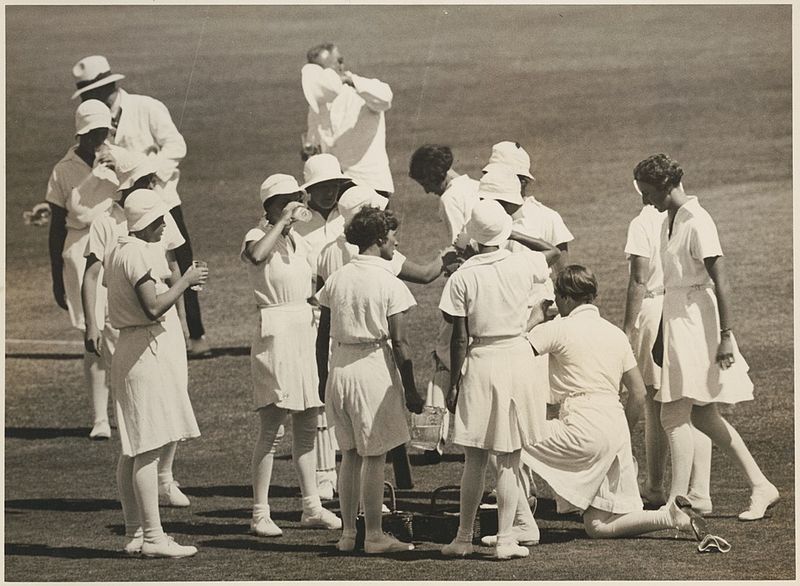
283 360
74 267
691 339
498 406
150 380
364 398
645 330
586 457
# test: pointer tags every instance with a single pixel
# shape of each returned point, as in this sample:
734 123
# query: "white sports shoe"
167 548
100 431
508 551
133 545
265 527
528 537
762 498
170 495
387 544
458 549
322 519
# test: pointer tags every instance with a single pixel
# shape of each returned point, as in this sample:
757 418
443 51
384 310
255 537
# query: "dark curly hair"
312 56
430 163
576 282
660 171
369 226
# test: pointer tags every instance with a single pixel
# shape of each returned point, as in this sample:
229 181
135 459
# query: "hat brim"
99 83
145 168
316 181
496 240
510 198
91 126
144 221
527 174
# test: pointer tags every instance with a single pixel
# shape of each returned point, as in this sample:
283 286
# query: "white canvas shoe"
762 498
265 527
170 495
323 519
167 548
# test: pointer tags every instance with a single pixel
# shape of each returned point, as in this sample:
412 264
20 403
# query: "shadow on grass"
239 491
184 528
38 433
419 459
261 544
62 504
240 513
71 552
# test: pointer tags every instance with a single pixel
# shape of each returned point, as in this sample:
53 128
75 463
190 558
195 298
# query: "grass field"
589 91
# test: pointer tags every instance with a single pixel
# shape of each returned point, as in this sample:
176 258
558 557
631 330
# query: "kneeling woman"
364 308
149 372
586 454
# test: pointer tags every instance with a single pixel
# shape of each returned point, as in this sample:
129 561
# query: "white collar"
485 258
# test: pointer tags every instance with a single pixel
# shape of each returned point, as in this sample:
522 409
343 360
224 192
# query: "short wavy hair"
576 282
430 163
314 52
659 170
369 226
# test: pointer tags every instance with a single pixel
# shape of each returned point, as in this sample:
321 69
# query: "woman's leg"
270 420
130 510
604 525
325 457
372 477
304 433
471 492
763 494
349 497
700 482
655 451
168 490
95 375
508 494
676 421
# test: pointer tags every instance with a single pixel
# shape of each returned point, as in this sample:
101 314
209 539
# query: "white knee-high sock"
655 445
372 476
145 486
95 376
604 525
675 418
471 490
270 432
304 432
700 482
127 495
350 490
165 461
507 493
523 516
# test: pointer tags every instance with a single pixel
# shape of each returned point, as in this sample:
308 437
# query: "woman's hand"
92 339
196 275
725 352
452 397
414 402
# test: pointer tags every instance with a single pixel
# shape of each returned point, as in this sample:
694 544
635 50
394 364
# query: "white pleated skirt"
499 407
364 398
586 455
74 267
691 339
645 330
150 381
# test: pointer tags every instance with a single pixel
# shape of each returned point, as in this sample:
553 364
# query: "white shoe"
346 543
527 537
265 527
322 519
508 551
170 495
387 544
133 545
701 504
762 498
326 490
458 549
686 518
167 548
384 509
100 431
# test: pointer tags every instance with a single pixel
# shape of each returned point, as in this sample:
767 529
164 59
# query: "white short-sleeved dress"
149 372
283 356
497 407
585 455
338 253
691 318
644 239
364 396
104 235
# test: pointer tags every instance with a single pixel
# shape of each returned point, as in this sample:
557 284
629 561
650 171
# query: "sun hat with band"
93 72
320 85
278 184
489 223
319 168
356 198
512 155
143 207
500 184
91 114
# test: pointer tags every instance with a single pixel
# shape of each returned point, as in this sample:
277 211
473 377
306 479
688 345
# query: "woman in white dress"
363 308
702 365
493 395
585 455
282 356
643 308
149 370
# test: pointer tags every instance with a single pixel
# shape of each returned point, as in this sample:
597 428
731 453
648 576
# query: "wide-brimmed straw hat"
500 183
93 72
489 223
513 155
319 168
142 207
320 85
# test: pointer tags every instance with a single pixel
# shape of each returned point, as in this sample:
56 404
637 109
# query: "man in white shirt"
346 118
143 124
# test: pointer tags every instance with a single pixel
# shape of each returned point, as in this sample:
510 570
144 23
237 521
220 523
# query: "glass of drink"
199 264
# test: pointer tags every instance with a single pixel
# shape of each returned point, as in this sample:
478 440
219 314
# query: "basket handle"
392 498
436 492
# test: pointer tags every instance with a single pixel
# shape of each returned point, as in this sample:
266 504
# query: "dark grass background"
589 91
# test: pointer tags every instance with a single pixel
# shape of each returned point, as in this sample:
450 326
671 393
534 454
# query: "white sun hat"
133 167
500 183
357 197
142 207
278 184
93 72
513 155
319 168
91 114
320 85
489 223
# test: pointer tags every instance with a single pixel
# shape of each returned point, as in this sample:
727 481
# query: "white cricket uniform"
585 455
496 409
149 372
145 126
691 318
319 232
338 253
644 240
364 396
352 127
85 193
545 221
283 357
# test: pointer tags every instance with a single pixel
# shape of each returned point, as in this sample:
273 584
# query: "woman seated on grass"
363 307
